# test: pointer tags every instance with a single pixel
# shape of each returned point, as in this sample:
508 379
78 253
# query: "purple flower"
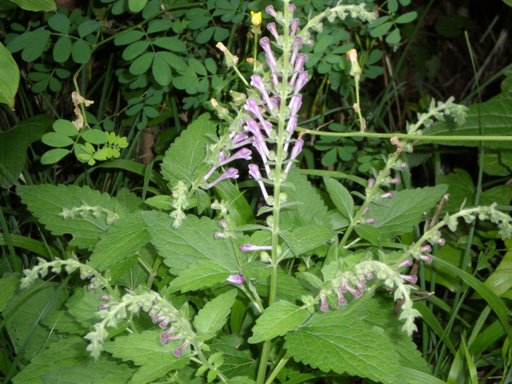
237 279
223 224
426 258
295 104
254 172
290 128
297 148
371 220
413 279
441 241
387 195
294 26
292 7
269 54
166 338
251 105
271 27
271 11
355 292
230 173
324 306
297 45
426 249
239 138
243 153
405 263
252 248
371 182
261 147
301 81
341 298
104 298
219 235
395 180
343 287
178 351
257 82
362 284
103 307
163 324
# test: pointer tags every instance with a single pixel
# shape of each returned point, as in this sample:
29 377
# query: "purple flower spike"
426 258
290 128
239 137
405 263
294 26
253 127
324 307
297 148
295 104
237 279
298 66
355 292
252 248
273 30
243 153
251 105
179 351
257 82
413 279
269 55
301 81
262 149
341 298
271 11
231 173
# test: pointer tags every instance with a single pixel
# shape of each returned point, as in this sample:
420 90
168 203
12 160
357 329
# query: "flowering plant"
303 290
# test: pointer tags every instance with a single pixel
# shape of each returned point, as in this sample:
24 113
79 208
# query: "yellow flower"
256 18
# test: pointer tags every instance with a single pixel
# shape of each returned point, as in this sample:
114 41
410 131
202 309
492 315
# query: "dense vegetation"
255 192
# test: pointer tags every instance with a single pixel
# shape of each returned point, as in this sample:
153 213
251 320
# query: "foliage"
179 273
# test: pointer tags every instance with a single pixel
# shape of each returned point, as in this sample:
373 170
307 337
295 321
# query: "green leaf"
159 25
88 27
492 117
54 156
341 197
143 348
394 37
14 144
277 320
508 2
413 376
236 362
307 238
9 77
406 17
62 49
8 285
95 136
171 43
90 371
197 66
399 214
160 202
161 71
141 64
238 207
341 342
47 202
136 5
121 243
135 49
460 189
201 275
81 52
63 353
306 207
184 160
212 317
194 241
36 5
37 44
128 37
176 62
65 127
381 29
59 23
84 306
54 139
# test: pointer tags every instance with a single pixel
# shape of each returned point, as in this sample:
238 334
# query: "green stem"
277 369
404 136
362 123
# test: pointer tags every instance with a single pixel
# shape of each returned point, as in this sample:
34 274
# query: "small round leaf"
54 155
59 23
65 127
81 52
95 136
54 139
62 49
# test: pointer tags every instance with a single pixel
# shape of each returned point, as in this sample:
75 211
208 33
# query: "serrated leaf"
121 243
84 307
341 197
143 348
202 275
307 238
9 77
46 202
307 206
277 320
184 159
90 371
236 362
341 342
155 369
54 156
194 241
54 139
398 215
212 317
64 352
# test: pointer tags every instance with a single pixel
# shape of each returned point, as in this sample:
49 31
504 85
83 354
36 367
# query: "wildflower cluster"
85 210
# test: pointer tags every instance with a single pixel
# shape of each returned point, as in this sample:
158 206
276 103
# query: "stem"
404 136
280 365
362 123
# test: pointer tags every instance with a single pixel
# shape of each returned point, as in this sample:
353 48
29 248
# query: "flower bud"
256 19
